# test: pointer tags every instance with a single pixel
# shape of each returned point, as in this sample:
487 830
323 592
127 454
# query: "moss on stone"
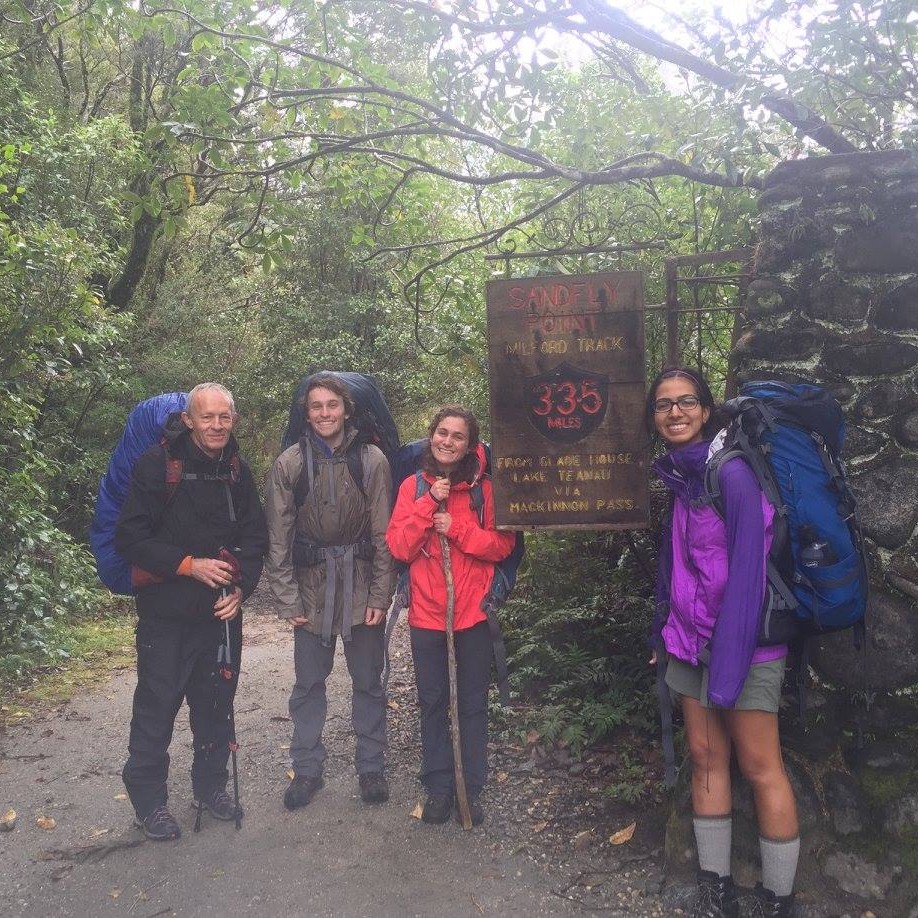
679 842
881 785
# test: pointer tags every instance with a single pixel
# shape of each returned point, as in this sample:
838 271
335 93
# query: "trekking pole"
461 795
227 673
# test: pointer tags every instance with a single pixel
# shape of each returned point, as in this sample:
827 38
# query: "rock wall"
835 300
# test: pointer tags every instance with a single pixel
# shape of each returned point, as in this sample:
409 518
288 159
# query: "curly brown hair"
466 469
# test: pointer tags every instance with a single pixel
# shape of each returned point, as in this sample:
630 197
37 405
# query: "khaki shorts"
761 690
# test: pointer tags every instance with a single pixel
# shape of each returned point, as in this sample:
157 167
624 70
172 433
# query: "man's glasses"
685 402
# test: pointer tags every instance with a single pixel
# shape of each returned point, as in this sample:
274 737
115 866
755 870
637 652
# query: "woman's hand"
653 658
442 522
439 490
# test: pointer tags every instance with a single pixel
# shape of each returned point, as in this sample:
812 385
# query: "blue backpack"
145 426
791 437
407 464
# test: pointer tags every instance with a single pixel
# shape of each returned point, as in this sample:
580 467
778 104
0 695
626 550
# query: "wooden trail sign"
566 357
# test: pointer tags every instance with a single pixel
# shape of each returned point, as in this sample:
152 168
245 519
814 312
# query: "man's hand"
298 621
374 616
211 572
227 607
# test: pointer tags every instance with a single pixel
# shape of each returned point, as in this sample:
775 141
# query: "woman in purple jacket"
711 586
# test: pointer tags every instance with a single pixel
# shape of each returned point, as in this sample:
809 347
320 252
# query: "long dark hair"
468 466
715 420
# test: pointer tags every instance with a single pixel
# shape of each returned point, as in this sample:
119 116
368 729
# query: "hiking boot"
437 808
301 790
220 805
374 788
475 810
763 903
716 897
160 825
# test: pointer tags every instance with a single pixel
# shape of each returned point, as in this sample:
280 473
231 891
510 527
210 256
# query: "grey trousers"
308 703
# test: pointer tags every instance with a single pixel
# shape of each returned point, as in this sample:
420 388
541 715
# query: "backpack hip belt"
309 554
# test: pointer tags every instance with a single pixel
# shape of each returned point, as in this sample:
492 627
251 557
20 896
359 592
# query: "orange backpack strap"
174 470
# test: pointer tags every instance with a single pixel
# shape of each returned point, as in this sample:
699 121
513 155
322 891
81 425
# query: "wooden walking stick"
461 795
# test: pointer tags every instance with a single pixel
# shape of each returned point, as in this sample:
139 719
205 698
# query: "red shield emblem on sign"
567 403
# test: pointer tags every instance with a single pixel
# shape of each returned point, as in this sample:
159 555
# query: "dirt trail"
335 857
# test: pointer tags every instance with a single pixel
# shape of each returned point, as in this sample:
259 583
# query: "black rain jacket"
156 532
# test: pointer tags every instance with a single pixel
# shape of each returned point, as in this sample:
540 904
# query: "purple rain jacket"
712 575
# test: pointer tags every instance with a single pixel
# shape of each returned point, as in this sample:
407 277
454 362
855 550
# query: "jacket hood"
350 435
682 469
482 458
481 463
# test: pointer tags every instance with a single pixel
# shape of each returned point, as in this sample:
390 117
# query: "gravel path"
544 849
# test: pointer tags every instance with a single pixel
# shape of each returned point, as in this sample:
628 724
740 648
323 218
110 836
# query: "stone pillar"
835 301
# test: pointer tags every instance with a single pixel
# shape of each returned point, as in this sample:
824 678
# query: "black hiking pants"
176 661
473 676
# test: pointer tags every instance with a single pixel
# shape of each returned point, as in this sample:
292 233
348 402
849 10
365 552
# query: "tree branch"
617 24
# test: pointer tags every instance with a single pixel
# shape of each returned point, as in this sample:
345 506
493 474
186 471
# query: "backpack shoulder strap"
355 457
712 492
365 477
476 499
174 471
420 484
476 495
303 486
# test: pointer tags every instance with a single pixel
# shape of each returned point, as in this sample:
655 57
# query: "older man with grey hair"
194 532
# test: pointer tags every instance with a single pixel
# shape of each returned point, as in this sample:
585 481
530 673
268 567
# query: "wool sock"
779 864
714 837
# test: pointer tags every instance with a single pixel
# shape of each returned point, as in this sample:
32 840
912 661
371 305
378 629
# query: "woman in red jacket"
452 463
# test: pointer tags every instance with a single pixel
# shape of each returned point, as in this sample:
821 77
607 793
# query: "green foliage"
630 780
852 62
56 343
576 638
72 654
217 192
46 578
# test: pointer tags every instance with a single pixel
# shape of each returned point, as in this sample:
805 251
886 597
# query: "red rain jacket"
474 551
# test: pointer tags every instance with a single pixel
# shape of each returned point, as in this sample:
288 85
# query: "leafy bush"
576 642
46 578
58 352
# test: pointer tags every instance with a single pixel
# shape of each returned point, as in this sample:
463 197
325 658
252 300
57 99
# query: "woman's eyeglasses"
685 402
